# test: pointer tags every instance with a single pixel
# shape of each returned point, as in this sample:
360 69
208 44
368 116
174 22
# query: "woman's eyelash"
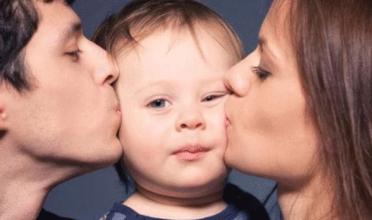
261 73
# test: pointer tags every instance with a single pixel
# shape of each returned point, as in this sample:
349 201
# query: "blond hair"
141 18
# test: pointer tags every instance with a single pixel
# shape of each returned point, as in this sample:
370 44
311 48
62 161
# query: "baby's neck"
151 204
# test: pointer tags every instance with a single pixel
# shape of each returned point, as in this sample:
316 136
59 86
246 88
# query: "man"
58 112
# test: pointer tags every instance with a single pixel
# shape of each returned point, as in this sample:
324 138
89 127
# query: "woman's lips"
190 153
227 122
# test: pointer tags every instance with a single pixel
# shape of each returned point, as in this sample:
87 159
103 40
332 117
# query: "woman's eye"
261 73
158 103
75 54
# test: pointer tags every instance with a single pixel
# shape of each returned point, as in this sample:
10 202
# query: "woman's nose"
237 79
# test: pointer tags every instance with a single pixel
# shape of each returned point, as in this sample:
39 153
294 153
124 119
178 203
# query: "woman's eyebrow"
263 45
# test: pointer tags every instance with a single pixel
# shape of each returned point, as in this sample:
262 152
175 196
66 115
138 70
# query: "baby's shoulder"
245 202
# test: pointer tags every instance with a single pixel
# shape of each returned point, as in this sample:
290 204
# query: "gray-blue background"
89 196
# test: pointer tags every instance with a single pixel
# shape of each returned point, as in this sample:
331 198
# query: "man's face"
71 113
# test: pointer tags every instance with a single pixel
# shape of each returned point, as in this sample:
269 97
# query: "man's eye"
75 54
158 103
261 73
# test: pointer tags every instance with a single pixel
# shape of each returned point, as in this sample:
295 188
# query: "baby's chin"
185 194
188 190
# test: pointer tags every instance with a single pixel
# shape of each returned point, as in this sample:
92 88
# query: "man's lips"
191 152
117 108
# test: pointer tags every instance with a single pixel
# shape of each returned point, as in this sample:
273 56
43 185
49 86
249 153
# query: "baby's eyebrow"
157 84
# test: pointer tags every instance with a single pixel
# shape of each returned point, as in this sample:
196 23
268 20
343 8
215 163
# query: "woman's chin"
229 157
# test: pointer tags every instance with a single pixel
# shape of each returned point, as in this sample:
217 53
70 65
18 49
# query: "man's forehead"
57 12
57 22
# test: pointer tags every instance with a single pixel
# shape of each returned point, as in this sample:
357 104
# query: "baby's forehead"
199 34
176 45
172 54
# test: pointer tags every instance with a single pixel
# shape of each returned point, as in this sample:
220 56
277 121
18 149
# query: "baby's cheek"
218 126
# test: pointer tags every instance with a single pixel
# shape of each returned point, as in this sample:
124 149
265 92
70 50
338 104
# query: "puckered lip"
227 121
192 148
117 108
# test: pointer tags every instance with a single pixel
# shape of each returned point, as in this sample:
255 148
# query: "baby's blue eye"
158 103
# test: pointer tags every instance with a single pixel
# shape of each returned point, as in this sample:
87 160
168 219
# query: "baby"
172 55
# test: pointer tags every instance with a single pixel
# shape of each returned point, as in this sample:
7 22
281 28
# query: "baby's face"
172 98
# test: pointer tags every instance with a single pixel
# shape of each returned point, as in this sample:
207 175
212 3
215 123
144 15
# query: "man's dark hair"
18 23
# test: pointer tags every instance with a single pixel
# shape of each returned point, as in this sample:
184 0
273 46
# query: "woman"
301 109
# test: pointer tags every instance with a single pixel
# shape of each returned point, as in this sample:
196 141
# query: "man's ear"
3 124
3 116
3 108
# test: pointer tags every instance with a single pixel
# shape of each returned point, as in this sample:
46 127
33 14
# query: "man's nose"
105 70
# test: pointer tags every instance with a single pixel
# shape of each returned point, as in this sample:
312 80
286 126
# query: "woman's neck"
152 204
310 201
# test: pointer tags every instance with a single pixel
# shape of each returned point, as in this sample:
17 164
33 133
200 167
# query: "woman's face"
270 132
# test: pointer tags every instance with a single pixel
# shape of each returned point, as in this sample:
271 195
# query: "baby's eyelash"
213 97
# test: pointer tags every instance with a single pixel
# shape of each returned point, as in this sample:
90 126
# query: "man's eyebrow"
72 30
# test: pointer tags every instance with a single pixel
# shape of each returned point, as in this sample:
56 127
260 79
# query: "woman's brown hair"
332 41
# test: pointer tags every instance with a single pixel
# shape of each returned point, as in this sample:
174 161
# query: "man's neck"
161 206
20 200
25 183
